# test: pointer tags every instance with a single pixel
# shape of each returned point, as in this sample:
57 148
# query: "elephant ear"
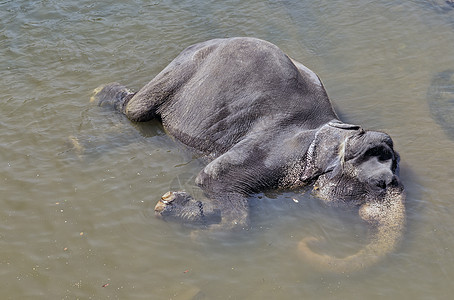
345 126
322 155
327 150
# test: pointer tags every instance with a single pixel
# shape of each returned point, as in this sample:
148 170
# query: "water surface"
79 224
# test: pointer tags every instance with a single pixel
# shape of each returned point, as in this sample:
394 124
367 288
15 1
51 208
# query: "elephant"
264 122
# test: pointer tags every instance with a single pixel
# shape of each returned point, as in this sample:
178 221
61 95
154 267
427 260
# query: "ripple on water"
73 222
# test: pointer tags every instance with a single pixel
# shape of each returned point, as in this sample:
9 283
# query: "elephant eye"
382 153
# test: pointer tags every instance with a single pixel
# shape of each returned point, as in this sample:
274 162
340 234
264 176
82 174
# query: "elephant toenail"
167 197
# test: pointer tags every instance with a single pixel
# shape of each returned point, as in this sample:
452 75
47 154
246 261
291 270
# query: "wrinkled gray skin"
267 122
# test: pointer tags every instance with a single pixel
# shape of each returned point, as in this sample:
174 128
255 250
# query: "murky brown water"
79 225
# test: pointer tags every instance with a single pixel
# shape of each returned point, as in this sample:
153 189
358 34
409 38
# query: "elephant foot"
112 94
76 145
180 206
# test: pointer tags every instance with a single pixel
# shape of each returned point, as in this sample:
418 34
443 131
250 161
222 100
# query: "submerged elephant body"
266 122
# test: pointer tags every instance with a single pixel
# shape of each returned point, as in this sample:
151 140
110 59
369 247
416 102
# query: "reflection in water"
71 225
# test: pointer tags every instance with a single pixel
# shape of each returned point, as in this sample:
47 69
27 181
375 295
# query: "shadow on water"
444 10
440 97
415 204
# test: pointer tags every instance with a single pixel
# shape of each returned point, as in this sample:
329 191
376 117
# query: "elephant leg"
144 105
222 195
229 211
183 207
112 94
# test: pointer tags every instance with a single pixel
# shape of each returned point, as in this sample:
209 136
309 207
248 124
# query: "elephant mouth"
340 190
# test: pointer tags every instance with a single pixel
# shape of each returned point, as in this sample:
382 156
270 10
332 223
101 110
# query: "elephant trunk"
386 220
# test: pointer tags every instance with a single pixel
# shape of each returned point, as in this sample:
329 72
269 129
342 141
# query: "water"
79 224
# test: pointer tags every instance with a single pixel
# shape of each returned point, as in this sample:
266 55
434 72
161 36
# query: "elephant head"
362 172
